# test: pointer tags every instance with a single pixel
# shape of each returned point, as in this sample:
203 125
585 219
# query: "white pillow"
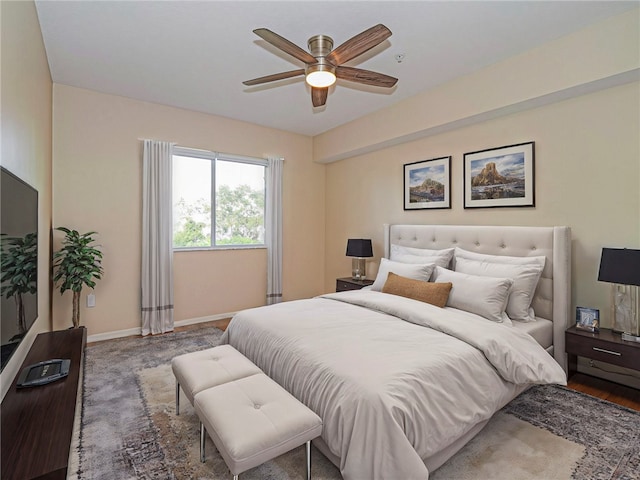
525 279
436 260
415 255
484 257
505 259
415 271
484 296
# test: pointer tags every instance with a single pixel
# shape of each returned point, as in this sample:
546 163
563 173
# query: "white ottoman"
198 371
253 420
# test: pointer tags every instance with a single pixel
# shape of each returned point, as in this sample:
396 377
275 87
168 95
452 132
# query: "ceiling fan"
324 63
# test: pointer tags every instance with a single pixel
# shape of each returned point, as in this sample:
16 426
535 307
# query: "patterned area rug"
129 429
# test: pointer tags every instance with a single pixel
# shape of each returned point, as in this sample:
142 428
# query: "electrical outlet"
91 300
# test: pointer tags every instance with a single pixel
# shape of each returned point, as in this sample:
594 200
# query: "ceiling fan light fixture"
321 78
321 74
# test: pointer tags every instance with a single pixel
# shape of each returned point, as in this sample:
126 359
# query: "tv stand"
37 422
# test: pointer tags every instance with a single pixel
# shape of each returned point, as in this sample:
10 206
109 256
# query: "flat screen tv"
18 260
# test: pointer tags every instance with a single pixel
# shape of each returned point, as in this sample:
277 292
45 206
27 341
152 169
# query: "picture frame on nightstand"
588 319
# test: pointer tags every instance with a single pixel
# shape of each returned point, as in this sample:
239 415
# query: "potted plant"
76 264
19 267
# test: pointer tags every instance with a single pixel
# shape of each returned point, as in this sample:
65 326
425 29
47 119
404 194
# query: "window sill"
222 247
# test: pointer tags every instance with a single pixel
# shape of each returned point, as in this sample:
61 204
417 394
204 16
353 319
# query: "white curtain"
157 238
273 238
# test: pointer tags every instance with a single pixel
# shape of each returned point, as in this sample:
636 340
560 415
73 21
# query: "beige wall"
577 98
97 179
587 164
26 141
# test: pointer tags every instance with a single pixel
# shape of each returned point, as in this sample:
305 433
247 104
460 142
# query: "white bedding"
391 392
540 329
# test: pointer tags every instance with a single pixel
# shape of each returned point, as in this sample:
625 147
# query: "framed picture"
500 177
427 184
588 319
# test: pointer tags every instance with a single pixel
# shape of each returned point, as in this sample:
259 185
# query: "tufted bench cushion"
198 371
253 420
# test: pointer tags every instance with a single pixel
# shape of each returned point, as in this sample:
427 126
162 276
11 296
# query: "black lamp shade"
359 247
620 265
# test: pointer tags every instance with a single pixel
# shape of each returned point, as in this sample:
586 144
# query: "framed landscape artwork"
500 177
427 184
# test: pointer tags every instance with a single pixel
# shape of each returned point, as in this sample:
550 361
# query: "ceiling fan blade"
359 44
274 77
285 45
367 77
319 96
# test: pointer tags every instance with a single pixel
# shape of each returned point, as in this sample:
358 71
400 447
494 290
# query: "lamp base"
626 309
358 268
630 338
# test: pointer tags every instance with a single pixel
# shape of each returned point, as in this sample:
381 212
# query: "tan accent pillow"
428 292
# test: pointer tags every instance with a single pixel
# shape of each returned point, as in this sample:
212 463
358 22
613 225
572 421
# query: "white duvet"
395 382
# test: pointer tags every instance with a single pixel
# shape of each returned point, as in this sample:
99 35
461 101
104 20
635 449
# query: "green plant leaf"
77 263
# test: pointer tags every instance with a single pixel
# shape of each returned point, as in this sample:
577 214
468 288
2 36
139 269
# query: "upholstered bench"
252 420
204 369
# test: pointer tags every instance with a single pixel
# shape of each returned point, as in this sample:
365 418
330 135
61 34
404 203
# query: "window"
218 200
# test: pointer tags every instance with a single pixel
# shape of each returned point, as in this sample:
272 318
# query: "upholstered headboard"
552 299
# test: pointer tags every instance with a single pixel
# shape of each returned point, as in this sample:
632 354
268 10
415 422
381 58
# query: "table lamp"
621 266
359 249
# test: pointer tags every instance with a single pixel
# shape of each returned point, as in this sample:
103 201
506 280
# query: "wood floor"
612 392
597 387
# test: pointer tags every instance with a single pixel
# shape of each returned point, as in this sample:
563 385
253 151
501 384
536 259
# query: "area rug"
129 429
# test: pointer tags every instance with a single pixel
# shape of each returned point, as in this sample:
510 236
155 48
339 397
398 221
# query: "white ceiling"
195 55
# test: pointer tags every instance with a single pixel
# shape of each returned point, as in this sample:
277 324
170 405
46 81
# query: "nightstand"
604 346
348 283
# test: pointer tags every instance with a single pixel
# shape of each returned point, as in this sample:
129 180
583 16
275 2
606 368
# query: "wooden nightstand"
604 346
348 283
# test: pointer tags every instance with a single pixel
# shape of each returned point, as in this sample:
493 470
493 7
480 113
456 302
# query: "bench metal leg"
177 397
308 460
235 477
202 434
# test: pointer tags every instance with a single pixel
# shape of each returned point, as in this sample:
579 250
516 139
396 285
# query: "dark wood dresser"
37 422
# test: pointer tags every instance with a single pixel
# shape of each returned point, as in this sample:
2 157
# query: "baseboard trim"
208 318
132 332
99 337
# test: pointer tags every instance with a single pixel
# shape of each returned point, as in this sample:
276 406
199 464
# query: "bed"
402 385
